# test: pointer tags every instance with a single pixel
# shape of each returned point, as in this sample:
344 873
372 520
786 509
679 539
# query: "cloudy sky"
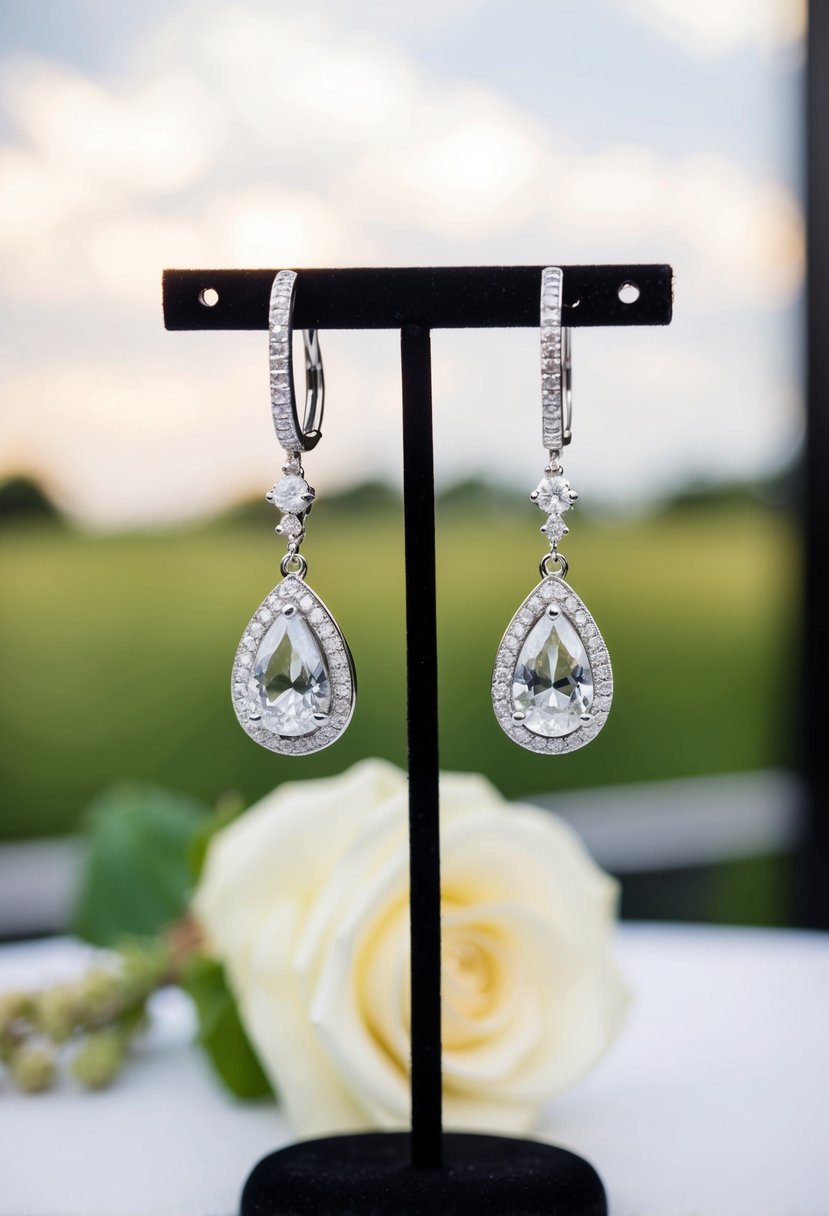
171 133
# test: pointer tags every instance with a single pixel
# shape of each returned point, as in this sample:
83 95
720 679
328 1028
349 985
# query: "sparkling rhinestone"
552 683
265 615
290 681
555 528
289 494
289 525
257 629
306 603
552 495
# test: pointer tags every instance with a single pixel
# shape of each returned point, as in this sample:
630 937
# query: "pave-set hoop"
293 436
556 364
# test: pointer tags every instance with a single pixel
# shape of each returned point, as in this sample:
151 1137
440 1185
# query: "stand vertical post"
422 714
811 893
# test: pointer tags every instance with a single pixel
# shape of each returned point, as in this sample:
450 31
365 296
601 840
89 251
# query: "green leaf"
228 808
221 1032
136 879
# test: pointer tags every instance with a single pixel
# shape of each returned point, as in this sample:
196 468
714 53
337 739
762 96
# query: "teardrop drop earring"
552 683
293 682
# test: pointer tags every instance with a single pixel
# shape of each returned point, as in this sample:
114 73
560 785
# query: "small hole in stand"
628 293
209 297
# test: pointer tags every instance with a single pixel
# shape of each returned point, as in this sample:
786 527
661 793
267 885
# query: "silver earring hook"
556 364
292 436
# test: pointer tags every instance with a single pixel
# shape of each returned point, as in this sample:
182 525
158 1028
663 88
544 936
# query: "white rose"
305 899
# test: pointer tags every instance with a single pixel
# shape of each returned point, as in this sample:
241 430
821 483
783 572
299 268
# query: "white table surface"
713 1103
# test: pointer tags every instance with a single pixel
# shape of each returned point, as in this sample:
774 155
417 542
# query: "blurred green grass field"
116 650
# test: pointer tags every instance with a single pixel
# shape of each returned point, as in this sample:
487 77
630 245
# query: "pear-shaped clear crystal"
290 681
293 682
552 685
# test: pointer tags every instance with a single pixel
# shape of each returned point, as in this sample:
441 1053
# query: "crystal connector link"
554 496
293 497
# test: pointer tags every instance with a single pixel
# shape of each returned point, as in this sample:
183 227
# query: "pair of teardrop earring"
294 685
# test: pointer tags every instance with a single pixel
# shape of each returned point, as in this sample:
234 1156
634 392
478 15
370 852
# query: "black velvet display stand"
427 1170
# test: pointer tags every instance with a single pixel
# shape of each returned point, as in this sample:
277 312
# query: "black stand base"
372 1175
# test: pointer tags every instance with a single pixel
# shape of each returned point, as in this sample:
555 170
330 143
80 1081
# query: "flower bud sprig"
88 1023
32 1067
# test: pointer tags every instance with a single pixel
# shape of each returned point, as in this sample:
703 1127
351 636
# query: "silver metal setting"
293 563
292 436
294 594
544 565
556 364
552 591
553 597
293 498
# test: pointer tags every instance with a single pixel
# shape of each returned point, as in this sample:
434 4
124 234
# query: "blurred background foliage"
141 136
116 649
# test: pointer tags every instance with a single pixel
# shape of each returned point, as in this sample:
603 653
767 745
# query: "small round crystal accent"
553 495
290 494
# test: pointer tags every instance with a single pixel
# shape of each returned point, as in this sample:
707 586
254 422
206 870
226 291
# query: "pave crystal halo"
293 683
552 683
